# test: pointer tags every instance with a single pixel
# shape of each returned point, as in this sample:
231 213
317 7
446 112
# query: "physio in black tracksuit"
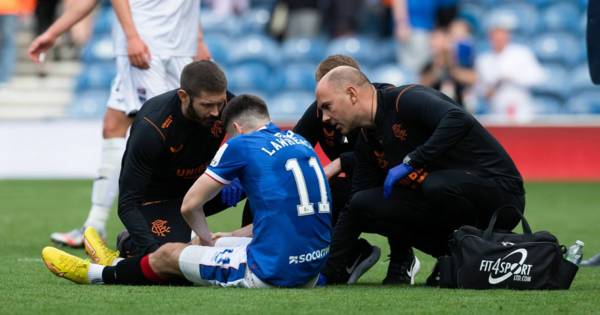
169 147
455 171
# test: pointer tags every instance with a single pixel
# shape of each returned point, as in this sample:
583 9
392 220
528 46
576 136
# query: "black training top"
333 143
435 133
165 154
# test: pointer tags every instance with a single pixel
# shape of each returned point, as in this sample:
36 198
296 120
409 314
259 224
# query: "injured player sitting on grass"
291 226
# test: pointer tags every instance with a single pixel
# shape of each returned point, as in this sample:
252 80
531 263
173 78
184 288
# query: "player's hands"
40 45
333 169
218 235
232 193
202 53
395 174
138 52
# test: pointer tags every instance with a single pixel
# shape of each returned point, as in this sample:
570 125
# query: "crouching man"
291 229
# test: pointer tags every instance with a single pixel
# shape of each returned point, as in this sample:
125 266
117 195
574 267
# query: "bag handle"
487 234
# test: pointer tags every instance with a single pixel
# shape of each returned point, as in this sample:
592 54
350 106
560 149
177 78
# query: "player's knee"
359 202
166 258
115 124
435 186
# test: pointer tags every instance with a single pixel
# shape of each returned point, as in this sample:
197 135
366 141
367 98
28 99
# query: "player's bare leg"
106 184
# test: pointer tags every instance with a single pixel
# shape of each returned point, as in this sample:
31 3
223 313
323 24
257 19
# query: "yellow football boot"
66 265
96 248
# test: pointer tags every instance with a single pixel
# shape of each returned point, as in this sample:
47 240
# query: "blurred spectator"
45 14
414 20
295 18
445 13
450 69
343 17
506 73
10 10
228 7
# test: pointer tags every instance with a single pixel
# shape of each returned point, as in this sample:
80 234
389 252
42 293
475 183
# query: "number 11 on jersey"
306 207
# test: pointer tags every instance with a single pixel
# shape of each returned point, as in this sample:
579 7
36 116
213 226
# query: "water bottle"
575 252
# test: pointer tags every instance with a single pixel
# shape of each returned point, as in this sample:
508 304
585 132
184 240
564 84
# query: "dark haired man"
291 226
173 138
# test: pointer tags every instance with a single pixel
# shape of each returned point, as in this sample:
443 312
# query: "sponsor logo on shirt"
167 122
160 228
399 132
176 149
190 173
308 257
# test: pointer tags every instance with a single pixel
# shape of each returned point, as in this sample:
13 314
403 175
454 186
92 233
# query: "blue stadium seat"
548 105
98 50
585 103
103 22
255 48
250 76
521 17
562 16
216 24
255 21
555 85
219 47
362 49
557 47
390 73
386 51
89 104
581 81
288 107
296 76
96 76
474 14
304 49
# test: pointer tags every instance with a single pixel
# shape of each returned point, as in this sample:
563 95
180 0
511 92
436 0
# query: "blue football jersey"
290 199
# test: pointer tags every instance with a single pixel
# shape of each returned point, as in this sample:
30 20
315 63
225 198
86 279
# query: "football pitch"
31 209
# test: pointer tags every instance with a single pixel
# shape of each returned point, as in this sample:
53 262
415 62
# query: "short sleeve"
228 162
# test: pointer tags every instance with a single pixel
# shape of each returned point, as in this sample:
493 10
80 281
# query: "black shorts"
166 223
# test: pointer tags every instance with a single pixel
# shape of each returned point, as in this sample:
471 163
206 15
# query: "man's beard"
206 122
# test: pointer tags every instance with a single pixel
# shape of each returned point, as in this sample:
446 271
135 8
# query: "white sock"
95 274
106 185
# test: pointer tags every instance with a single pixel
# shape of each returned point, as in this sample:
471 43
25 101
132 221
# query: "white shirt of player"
168 27
519 70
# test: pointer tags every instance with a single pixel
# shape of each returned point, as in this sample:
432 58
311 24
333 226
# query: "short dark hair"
334 61
202 76
244 105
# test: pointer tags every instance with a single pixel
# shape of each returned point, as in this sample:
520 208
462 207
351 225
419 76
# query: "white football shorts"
223 265
133 86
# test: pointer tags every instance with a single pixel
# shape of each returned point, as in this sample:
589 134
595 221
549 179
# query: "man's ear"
237 127
353 94
183 96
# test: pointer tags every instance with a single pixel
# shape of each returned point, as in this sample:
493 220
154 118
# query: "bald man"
440 168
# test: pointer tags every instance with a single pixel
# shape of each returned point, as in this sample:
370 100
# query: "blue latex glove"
395 174
232 193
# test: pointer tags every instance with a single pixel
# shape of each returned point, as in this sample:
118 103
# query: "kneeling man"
291 229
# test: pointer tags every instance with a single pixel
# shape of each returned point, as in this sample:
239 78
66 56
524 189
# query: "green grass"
31 210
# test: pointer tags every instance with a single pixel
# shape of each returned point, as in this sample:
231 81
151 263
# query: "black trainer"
402 270
367 256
